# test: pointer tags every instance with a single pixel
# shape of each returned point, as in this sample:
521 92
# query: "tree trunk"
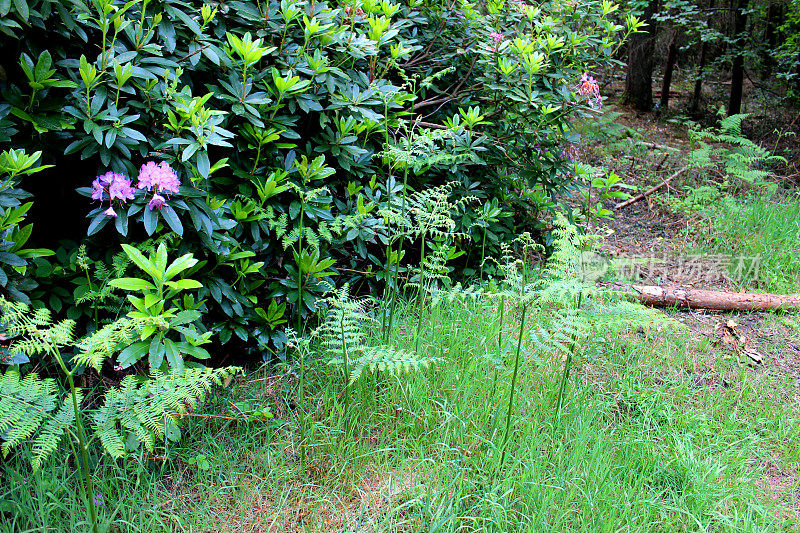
774 20
669 65
639 78
702 299
701 69
737 69
698 83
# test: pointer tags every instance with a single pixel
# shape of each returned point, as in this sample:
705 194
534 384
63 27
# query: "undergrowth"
764 228
500 433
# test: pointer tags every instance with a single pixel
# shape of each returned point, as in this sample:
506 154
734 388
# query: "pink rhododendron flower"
120 189
160 177
589 87
156 202
497 38
97 189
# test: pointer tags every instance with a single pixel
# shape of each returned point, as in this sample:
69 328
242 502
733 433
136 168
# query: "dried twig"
651 190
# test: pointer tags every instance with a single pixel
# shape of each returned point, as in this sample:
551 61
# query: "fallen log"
650 191
703 299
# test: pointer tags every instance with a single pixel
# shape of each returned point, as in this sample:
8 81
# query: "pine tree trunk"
737 69
639 78
698 83
701 67
669 66
774 20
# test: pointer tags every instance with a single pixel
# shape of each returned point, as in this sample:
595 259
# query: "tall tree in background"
639 77
705 37
737 68
669 66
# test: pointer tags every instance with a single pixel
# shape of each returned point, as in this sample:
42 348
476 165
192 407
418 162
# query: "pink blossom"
110 212
497 37
160 177
589 87
156 202
97 189
120 189
106 179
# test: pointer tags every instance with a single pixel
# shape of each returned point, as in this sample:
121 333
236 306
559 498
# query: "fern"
50 433
345 340
36 409
387 359
151 410
24 405
99 293
742 158
148 409
574 307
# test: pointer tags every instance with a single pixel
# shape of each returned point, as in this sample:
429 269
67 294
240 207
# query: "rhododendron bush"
265 138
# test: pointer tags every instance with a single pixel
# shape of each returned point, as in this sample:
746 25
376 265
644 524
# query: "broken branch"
651 190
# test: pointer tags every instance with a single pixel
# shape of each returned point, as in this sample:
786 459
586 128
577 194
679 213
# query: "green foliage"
287 123
344 335
164 312
26 404
740 157
148 411
140 411
14 257
759 234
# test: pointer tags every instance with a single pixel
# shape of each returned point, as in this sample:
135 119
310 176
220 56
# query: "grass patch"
642 444
763 227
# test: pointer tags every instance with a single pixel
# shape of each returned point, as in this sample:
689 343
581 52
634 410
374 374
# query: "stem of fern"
419 292
399 253
387 289
88 486
346 377
302 409
500 331
568 363
300 267
513 383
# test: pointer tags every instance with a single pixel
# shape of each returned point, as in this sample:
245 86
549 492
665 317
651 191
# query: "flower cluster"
112 186
588 87
518 6
541 149
350 14
497 38
157 179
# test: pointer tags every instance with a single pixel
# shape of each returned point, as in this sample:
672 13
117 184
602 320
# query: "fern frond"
387 359
51 433
24 405
458 292
151 410
342 328
33 331
107 341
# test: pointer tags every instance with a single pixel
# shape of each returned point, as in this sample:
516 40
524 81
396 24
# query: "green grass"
764 227
643 444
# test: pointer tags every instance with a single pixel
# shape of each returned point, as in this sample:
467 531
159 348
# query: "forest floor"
675 248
